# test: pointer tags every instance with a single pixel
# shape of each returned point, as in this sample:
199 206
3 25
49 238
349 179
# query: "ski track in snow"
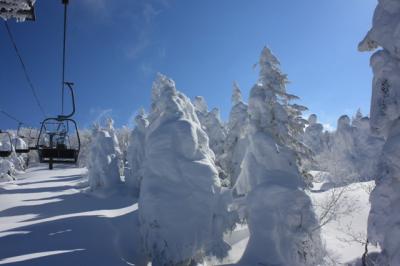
46 218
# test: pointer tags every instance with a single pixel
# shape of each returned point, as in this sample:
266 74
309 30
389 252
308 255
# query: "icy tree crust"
385 31
15 163
179 193
136 153
18 9
384 218
385 104
281 220
103 163
236 94
211 123
235 142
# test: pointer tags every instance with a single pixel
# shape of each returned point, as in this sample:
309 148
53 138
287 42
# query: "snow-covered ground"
49 218
346 232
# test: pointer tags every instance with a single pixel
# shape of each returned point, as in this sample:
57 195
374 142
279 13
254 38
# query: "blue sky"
115 48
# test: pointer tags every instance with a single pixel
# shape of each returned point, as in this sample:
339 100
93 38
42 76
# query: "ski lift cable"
12 117
65 2
28 79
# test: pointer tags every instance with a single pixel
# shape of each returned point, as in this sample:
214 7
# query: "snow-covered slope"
47 219
343 236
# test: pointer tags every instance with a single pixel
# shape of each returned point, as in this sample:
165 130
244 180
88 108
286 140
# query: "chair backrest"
4 154
59 153
22 150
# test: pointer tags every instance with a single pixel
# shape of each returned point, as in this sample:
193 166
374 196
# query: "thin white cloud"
145 12
98 7
328 127
100 115
138 16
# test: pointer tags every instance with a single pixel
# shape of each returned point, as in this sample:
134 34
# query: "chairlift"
8 152
53 144
18 148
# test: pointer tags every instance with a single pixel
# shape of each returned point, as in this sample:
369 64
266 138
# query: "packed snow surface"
46 218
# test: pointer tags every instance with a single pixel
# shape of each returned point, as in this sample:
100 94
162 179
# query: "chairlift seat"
59 153
22 150
8 152
61 146
4 154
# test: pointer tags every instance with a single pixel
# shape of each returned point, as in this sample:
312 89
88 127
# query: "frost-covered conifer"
279 213
136 153
214 128
180 208
103 163
235 143
367 148
314 135
211 124
384 218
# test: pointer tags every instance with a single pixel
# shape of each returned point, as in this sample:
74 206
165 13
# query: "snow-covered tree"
179 192
103 163
84 153
351 153
214 128
6 170
384 218
314 139
211 123
235 142
343 151
367 148
356 119
136 153
123 135
18 9
279 213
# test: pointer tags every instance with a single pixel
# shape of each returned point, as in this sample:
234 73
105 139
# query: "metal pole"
65 3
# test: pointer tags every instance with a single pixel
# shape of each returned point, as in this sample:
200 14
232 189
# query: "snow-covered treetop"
161 82
270 73
312 119
18 9
356 119
359 114
343 123
364 123
141 120
168 103
384 32
236 94
200 104
110 123
269 107
216 113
